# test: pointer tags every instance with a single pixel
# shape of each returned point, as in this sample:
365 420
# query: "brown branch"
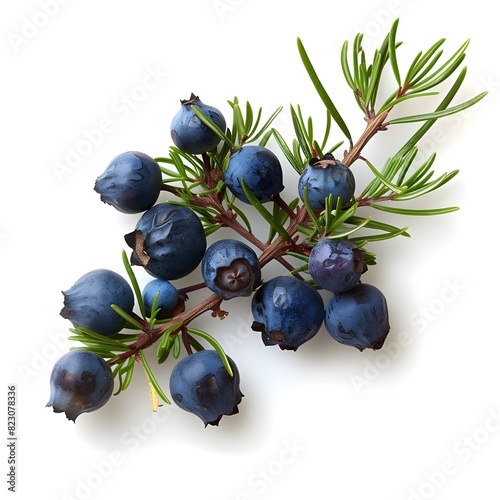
149 337
374 125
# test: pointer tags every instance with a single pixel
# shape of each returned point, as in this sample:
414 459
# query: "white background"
419 419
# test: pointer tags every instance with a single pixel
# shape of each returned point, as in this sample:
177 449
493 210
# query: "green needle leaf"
300 132
266 215
374 79
426 188
264 127
438 114
242 215
421 60
321 90
128 374
249 118
345 66
415 212
428 124
392 51
447 68
386 182
152 378
348 232
166 342
124 372
176 350
393 102
209 123
215 345
83 334
295 162
125 315
315 221
135 284
380 226
381 237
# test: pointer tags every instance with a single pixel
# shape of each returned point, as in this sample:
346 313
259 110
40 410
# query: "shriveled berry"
231 268
169 241
200 384
88 302
261 171
287 311
131 182
80 382
189 133
326 177
168 297
336 264
358 317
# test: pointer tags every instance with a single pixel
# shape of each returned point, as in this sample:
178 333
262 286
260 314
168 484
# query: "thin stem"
366 202
169 189
191 288
227 218
284 206
149 337
375 124
207 169
185 340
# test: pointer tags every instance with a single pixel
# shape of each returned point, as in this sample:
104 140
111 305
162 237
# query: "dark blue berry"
167 300
131 182
81 382
88 302
231 268
336 264
169 241
200 384
326 177
189 133
358 317
287 311
261 170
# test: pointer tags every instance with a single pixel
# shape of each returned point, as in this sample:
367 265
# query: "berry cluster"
212 175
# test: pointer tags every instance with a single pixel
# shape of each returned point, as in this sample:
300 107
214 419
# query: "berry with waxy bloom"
231 268
81 382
